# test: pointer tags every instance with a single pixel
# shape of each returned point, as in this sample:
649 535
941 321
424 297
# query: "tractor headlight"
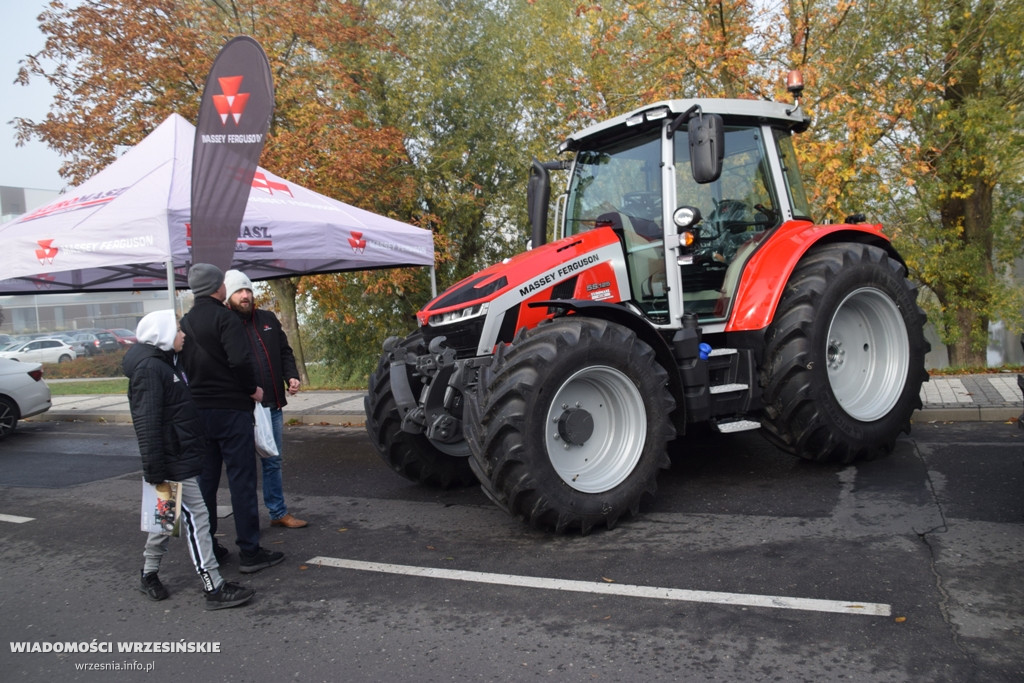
458 315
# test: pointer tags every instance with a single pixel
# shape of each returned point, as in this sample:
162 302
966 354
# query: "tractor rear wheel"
844 356
571 424
414 456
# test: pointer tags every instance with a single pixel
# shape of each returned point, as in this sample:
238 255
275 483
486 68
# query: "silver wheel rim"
609 453
7 419
868 354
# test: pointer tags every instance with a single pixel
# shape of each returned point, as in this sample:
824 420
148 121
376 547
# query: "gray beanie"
205 278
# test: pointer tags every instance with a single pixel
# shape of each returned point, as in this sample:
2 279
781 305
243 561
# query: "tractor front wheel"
414 456
572 424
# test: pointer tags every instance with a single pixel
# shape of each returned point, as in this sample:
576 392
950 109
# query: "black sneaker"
220 552
261 559
228 595
152 587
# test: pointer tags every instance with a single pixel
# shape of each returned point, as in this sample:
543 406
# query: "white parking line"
680 594
14 519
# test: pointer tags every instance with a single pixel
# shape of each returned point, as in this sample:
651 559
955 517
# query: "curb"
922 416
339 420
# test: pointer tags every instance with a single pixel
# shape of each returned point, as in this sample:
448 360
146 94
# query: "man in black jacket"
220 375
277 373
172 444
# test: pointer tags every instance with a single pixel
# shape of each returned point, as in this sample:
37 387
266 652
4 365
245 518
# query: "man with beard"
219 370
275 367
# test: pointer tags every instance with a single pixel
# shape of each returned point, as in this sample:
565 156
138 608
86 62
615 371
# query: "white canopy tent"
127 228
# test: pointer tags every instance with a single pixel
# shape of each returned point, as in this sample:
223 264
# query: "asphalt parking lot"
748 565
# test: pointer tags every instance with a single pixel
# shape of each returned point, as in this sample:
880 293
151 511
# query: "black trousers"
233 447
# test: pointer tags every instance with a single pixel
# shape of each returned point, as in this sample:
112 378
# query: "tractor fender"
770 267
621 315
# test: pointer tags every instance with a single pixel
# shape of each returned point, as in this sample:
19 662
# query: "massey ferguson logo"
44 281
231 103
357 242
46 252
264 184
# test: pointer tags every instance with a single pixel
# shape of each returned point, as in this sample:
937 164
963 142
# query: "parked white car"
40 351
23 393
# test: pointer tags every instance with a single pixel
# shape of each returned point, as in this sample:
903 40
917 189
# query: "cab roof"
733 111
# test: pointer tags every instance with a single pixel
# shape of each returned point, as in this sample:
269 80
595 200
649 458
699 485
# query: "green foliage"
957 162
346 318
99 386
102 365
468 85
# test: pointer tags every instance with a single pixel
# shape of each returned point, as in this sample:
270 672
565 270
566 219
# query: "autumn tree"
430 110
119 68
916 109
462 89
961 158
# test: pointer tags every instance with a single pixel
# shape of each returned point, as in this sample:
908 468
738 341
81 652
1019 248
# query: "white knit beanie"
235 280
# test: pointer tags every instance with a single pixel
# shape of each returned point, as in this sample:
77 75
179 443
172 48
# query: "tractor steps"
734 426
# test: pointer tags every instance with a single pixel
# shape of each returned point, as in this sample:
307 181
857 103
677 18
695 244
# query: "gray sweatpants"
195 526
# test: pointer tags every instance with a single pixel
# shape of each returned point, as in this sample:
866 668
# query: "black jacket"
171 437
216 357
273 357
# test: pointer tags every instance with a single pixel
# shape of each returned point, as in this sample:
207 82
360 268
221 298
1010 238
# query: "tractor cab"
687 224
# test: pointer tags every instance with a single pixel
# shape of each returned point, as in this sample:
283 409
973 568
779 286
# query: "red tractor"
687 284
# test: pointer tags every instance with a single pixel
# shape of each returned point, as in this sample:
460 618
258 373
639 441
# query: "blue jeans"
273 489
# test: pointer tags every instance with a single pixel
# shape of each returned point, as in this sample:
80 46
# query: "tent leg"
433 283
170 286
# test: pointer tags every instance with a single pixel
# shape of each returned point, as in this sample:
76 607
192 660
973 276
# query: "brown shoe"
289 521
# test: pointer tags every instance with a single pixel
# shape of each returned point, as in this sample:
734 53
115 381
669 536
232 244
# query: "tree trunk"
963 353
284 291
966 209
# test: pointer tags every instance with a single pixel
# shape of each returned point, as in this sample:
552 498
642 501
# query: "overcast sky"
33 165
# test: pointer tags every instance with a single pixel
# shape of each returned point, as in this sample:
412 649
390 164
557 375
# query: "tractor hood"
529 275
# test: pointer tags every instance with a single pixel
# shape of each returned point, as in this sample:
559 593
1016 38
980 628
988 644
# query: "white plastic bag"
265 444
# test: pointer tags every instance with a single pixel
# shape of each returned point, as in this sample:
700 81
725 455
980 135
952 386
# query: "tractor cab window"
618 185
736 211
794 183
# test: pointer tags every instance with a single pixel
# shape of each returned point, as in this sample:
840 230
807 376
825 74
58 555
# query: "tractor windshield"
619 186
620 179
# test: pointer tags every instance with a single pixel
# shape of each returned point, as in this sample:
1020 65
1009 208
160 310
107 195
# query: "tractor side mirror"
707 147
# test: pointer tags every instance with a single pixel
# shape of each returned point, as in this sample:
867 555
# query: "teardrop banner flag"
234 116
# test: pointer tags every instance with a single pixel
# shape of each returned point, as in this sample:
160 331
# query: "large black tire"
413 456
571 424
844 356
8 416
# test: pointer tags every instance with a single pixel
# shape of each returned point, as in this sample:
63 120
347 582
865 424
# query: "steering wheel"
645 205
